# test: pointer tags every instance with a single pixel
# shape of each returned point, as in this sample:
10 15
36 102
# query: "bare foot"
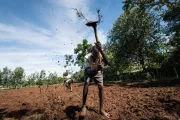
105 114
83 111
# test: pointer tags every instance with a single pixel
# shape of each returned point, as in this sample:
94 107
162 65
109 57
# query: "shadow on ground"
71 112
172 107
160 83
18 114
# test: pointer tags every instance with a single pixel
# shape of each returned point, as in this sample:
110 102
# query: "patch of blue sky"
14 11
19 46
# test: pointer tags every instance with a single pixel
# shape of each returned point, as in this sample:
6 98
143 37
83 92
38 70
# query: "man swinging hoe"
94 69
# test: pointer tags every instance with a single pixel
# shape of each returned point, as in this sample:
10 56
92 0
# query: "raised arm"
98 44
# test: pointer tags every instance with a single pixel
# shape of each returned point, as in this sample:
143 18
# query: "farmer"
93 71
68 83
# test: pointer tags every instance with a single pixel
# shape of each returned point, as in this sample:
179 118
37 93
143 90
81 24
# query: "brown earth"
123 102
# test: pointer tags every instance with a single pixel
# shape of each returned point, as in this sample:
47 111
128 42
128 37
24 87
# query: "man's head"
95 52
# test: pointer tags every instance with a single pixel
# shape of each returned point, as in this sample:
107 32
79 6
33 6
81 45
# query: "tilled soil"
122 102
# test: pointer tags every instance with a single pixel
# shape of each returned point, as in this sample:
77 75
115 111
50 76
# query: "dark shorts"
98 78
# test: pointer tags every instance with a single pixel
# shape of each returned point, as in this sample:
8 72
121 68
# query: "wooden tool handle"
95 33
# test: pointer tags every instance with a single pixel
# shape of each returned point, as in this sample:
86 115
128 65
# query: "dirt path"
123 103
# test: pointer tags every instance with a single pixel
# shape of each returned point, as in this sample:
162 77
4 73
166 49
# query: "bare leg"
101 100
71 88
85 92
88 72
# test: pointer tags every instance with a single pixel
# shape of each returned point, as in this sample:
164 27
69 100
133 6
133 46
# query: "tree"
69 62
42 75
42 78
79 76
18 75
33 78
131 38
6 77
53 78
12 80
172 17
148 4
1 80
60 79
82 50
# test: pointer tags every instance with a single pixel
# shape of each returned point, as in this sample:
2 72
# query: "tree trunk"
176 73
141 58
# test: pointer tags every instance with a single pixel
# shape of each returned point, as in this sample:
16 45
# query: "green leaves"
148 4
42 74
1 78
81 51
131 36
172 17
18 75
69 60
6 76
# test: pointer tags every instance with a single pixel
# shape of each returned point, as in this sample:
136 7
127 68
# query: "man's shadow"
72 112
